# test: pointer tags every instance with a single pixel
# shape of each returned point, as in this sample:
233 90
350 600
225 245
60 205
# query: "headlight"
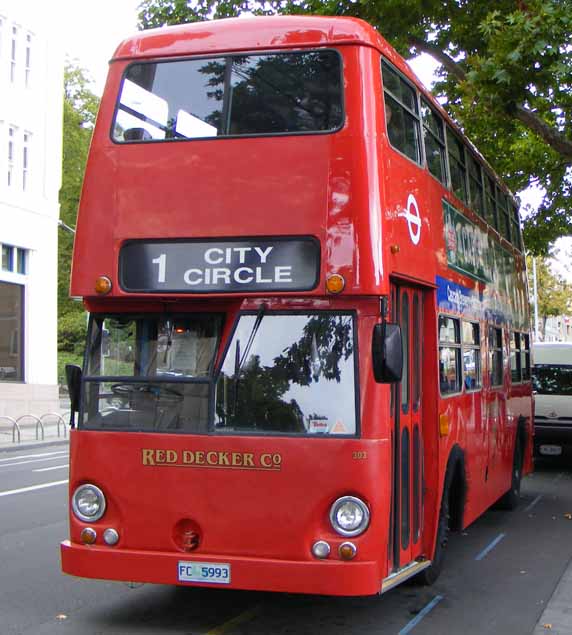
349 516
88 503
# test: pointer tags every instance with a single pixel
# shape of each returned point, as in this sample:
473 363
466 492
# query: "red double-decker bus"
308 354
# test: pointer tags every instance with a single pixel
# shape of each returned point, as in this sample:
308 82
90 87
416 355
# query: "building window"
11 322
401 114
449 355
13 50
7 258
14 259
28 60
471 355
11 154
26 162
495 356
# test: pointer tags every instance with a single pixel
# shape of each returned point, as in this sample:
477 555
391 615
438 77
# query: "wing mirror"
387 353
73 380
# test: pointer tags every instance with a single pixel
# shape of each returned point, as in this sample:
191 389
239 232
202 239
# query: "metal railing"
40 425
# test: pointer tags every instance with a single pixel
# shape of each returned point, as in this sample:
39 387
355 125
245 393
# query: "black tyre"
429 576
511 499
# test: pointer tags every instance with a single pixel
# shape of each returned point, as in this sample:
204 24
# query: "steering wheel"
160 392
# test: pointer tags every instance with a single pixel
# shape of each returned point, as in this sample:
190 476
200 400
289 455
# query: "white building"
31 106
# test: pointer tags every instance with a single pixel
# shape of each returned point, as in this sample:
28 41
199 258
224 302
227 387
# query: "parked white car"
552 382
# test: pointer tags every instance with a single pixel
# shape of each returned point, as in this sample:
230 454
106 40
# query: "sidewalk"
556 618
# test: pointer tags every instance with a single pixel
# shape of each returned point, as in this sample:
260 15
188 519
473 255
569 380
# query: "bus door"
407 510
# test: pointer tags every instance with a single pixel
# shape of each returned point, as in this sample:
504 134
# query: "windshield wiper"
240 360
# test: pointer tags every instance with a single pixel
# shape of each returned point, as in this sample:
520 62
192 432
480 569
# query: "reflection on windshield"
150 373
289 374
552 380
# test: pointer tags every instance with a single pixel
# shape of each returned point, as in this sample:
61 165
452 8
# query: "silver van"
552 383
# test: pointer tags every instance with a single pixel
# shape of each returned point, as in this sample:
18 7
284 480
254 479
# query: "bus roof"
268 32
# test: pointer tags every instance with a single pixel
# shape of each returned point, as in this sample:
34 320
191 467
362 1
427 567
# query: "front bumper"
324 577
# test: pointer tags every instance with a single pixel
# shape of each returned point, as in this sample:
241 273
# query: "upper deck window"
281 93
401 113
434 138
457 165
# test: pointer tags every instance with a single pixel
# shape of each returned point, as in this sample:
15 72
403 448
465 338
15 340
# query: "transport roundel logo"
413 218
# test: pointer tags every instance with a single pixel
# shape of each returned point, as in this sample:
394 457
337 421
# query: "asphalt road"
498 574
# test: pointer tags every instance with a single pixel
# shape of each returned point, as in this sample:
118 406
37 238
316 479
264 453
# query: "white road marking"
33 456
53 458
33 488
49 469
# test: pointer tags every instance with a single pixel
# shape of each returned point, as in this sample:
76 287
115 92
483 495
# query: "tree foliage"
80 109
506 75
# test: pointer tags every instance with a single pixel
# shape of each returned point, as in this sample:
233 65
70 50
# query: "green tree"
506 74
80 109
554 293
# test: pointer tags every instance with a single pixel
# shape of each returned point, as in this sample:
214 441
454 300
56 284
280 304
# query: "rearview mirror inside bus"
387 353
73 379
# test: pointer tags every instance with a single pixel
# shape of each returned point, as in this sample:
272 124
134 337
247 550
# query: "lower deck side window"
495 356
449 355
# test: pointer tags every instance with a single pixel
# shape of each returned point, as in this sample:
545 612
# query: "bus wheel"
429 576
512 498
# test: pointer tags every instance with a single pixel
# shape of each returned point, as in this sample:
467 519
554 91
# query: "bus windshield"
150 373
282 373
227 96
287 373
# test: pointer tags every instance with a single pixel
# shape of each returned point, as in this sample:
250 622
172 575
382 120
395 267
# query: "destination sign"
226 266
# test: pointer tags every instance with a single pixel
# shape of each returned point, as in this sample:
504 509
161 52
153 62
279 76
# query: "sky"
92 40
93 31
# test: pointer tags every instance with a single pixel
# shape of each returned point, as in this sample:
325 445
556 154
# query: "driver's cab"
150 372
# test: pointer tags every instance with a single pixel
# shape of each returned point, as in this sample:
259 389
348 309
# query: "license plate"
214 573
550 450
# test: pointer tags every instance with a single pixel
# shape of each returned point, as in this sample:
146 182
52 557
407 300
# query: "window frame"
17 337
504 217
416 116
520 354
496 355
457 347
226 56
474 182
222 355
476 348
459 162
440 142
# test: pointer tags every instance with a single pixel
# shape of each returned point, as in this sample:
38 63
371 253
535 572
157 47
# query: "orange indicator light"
335 283
347 550
88 536
103 285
